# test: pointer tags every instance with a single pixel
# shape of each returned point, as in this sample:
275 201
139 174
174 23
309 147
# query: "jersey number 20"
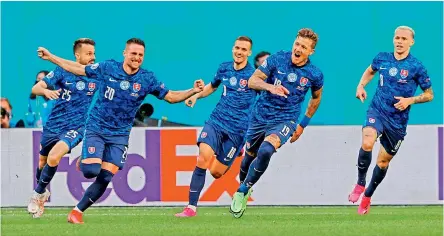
109 93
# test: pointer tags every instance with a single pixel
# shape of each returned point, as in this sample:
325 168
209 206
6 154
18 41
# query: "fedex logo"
160 166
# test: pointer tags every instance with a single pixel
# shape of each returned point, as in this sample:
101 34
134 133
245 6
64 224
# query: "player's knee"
216 174
266 149
104 176
250 153
90 170
202 162
383 164
53 159
42 162
274 140
367 144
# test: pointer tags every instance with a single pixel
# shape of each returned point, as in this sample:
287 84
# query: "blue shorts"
225 145
389 139
257 131
71 137
111 149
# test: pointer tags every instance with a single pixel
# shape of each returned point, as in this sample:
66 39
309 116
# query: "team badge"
124 85
233 81
80 85
393 71
91 150
91 86
303 81
292 77
243 83
136 87
203 135
371 120
404 73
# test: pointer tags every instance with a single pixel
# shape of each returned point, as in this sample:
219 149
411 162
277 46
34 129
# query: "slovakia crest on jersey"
303 81
136 87
91 150
404 74
91 86
243 83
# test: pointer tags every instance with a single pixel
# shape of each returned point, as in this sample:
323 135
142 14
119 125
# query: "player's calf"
379 171
245 165
258 166
369 135
95 190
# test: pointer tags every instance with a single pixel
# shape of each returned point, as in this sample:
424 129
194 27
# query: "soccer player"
284 78
224 133
124 87
400 73
64 129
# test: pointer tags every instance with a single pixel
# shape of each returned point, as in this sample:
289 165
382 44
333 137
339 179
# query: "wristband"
304 121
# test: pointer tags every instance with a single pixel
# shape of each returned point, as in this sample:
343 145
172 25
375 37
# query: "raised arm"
179 96
41 89
67 65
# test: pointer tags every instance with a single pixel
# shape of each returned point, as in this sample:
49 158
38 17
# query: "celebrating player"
223 134
285 78
64 129
400 73
124 87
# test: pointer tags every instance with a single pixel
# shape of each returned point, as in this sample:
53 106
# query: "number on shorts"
124 155
71 134
109 93
231 152
285 130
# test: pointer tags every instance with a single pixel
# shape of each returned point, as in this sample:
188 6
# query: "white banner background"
319 169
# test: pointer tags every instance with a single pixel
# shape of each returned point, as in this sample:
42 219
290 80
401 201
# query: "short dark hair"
245 38
136 41
261 54
79 42
45 72
310 34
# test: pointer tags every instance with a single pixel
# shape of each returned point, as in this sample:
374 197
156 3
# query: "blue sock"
364 161
45 177
196 185
377 177
258 166
95 190
245 165
37 174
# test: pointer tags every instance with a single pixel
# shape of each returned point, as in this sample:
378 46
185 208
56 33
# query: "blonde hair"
403 27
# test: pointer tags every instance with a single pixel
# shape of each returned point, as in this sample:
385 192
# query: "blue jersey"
274 109
119 96
233 110
71 108
397 78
